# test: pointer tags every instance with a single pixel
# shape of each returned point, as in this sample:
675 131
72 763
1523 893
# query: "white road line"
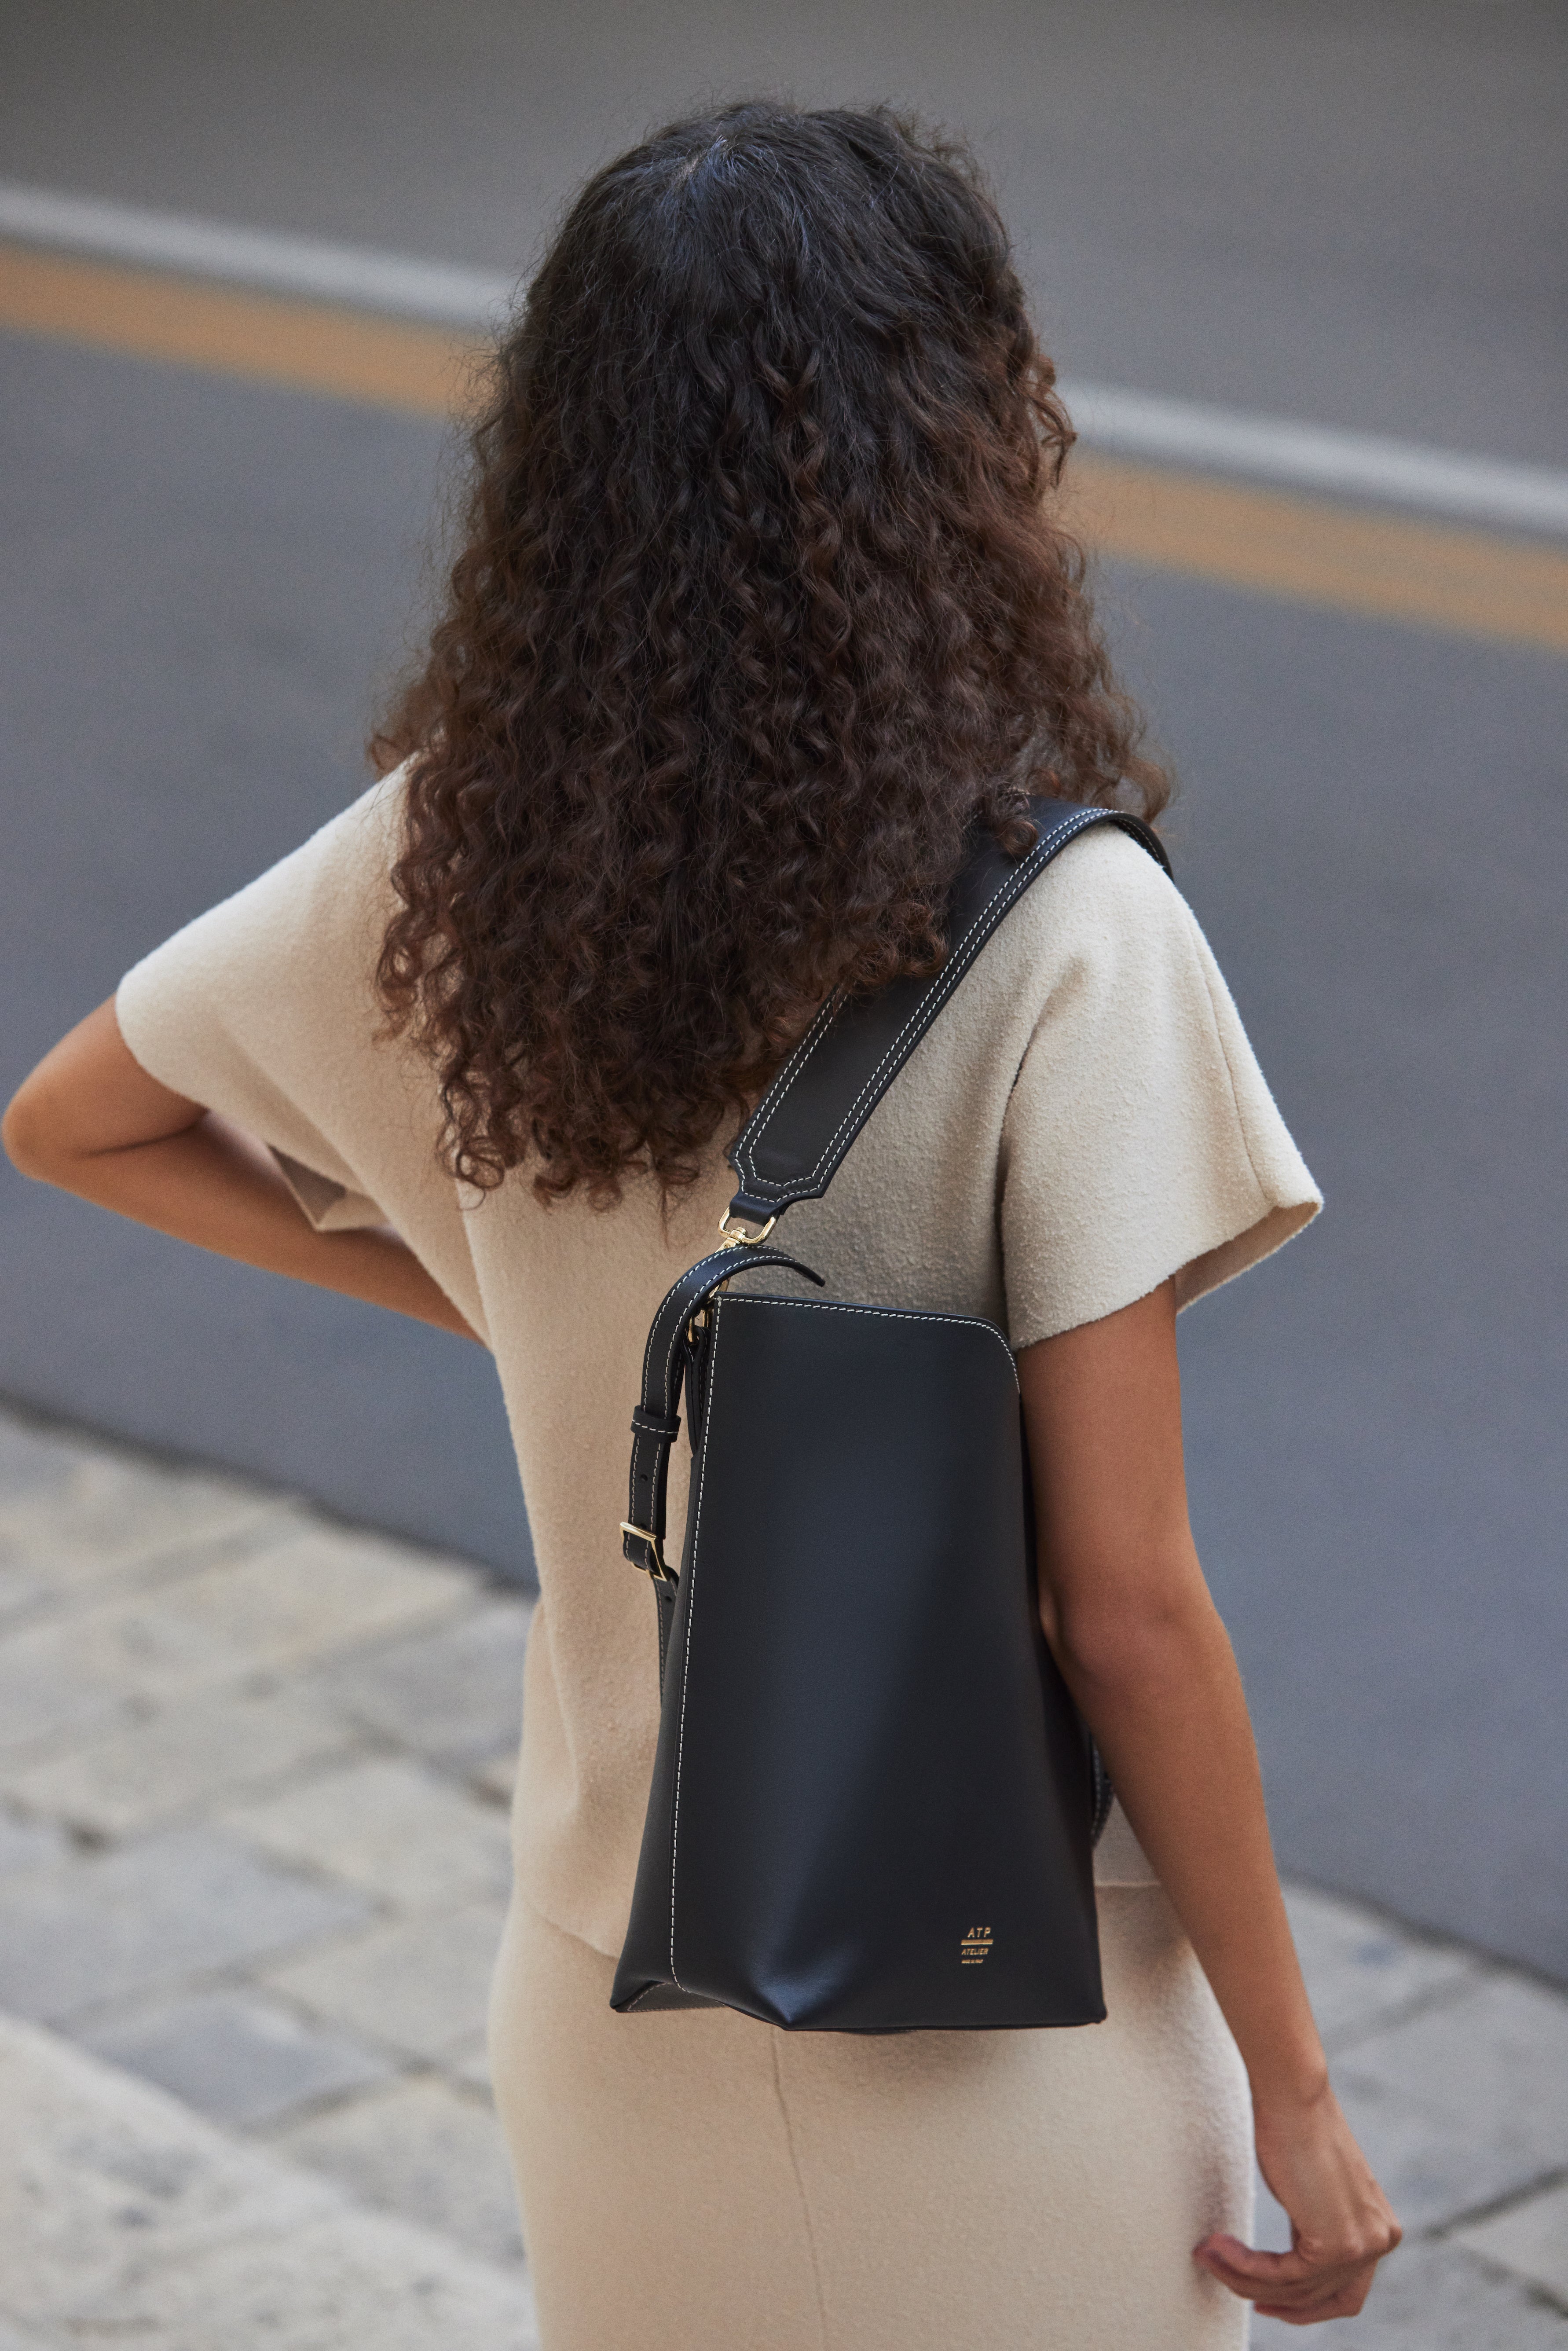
387 282
1319 457
1124 423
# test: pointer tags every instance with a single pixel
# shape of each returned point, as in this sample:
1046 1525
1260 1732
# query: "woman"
764 603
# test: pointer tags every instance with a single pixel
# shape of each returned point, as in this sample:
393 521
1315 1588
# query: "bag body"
873 1801
871 1798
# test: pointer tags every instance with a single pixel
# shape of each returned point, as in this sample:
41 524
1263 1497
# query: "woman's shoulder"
1105 881
352 854
326 900
1142 1139
1104 914
293 952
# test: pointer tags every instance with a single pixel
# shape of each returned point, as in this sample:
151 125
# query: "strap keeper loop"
655 1424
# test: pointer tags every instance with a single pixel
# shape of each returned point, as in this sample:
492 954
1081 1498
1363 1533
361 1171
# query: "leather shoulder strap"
655 1422
794 1142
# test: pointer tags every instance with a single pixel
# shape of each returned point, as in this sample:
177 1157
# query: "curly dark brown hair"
761 605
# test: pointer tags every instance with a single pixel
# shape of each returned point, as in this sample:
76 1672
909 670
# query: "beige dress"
1085 1121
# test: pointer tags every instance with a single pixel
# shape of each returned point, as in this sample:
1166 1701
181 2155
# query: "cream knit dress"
1085 1120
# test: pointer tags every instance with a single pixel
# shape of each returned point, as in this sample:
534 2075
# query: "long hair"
761 606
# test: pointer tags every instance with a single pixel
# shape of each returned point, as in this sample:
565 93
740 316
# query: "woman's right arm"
91 1120
1131 1623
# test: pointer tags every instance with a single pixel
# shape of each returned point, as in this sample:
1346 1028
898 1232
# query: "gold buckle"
660 1568
740 1239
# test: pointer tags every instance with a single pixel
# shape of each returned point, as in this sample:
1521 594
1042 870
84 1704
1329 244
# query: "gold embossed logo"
972 1950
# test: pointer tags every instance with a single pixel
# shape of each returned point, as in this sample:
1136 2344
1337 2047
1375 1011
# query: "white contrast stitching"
679 1324
927 1011
647 1351
822 1022
957 964
712 1258
955 952
681 1319
883 1314
691 1583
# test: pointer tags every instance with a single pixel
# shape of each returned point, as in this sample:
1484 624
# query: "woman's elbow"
1131 1641
87 1099
30 1133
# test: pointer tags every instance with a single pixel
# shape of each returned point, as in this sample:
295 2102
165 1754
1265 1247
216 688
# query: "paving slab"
13 2339
135 1649
1431 2297
80 1934
101 2177
315 1592
468 2061
1366 1971
1465 2103
278 1609
24 1845
68 1672
365 2282
320 1590
455 1696
50 1686
127 2218
425 2149
77 1517
37 1468
497 1779
236 2056
422 1985
389 1825
1530 2240
189 1756
38 1463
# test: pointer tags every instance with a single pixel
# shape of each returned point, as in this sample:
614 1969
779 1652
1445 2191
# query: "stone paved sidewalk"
253 1771
125 2218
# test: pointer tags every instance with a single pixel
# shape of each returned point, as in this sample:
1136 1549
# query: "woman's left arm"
1140 1643
92 1120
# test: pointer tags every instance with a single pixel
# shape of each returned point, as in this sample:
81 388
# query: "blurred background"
223 446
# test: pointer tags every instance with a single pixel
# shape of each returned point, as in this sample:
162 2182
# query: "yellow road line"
344 353
1471 582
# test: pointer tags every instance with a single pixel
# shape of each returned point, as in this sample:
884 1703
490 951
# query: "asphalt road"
1349 215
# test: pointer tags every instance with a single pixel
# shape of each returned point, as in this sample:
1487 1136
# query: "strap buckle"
736 1238
660 1569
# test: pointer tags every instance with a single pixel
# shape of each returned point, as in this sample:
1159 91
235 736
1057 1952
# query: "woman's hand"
92 1120
1341 2224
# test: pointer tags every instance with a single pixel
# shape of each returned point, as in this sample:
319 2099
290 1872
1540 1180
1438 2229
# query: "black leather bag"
873 1801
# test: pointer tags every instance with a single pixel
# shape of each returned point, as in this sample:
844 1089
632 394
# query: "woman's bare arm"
1130 1620
92 1120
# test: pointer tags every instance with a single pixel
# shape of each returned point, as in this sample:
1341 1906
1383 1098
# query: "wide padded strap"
655 1422
792 1146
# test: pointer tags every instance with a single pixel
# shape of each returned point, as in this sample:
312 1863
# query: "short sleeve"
261 1009
1141 1141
